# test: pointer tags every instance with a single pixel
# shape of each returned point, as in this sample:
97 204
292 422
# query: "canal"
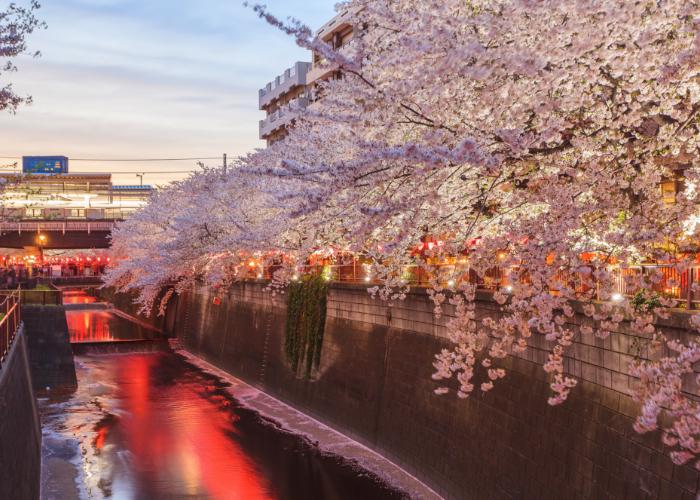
149 425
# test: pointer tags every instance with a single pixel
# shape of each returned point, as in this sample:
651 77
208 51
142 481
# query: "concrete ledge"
50 353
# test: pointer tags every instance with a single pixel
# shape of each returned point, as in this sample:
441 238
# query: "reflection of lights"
617 297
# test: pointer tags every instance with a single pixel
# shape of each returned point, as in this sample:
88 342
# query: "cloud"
150 78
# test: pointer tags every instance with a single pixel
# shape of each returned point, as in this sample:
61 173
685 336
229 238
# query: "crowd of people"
25 273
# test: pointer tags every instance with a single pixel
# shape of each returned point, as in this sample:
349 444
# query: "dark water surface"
152 426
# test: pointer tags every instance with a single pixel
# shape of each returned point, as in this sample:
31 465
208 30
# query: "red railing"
9 322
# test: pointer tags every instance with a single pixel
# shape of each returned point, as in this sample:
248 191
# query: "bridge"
64 211
58 235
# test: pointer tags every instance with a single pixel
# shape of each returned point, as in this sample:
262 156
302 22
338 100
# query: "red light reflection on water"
179 436
101 326
89 326
77 297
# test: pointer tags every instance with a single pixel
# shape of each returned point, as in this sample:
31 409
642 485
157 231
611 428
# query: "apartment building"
292 91
281 99
338 33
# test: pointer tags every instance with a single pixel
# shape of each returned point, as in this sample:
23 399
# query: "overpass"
64 210
56 235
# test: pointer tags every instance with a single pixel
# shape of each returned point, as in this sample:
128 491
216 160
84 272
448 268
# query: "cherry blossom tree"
16 24
527 135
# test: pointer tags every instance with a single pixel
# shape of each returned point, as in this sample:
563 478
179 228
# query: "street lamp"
42 242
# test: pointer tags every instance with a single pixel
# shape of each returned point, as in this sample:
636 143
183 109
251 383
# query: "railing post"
689 291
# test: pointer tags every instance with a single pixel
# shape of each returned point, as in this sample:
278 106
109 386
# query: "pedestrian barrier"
10 319
663 279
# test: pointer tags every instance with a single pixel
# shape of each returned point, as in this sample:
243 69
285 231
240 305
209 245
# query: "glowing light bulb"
617 297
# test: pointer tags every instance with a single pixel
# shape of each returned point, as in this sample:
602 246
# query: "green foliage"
306 318
644 301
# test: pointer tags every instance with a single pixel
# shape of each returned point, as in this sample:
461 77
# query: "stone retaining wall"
20 431
374 384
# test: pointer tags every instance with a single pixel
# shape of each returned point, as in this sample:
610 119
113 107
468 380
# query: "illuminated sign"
45 165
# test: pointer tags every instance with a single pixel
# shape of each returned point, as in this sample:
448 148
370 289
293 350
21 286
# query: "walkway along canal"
150 425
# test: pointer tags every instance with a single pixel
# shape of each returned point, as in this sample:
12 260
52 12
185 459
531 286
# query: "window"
668 191
34 213
76 213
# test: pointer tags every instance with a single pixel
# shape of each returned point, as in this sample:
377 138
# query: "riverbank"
156 424
153 425
373 383
326 439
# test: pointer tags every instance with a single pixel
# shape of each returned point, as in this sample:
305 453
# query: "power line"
127 159
152 172
148 172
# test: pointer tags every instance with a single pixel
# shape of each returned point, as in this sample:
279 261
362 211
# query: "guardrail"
76 280
669 281
10 319
58 226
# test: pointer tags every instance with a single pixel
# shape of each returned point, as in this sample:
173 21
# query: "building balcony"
321 71
293 77
340 21
282 117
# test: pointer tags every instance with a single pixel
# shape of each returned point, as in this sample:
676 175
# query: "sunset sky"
149 79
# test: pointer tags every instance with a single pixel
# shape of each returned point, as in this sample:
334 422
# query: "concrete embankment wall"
20 431
50 353
374 384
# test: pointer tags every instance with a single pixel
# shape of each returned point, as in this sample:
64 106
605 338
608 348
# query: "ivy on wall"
306 318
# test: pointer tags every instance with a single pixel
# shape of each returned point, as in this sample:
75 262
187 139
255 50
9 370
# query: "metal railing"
75 280
668 281
58 226
10 319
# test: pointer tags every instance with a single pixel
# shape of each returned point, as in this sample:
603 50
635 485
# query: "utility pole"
224 163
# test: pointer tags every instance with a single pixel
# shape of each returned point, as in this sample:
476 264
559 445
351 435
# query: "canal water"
153 426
